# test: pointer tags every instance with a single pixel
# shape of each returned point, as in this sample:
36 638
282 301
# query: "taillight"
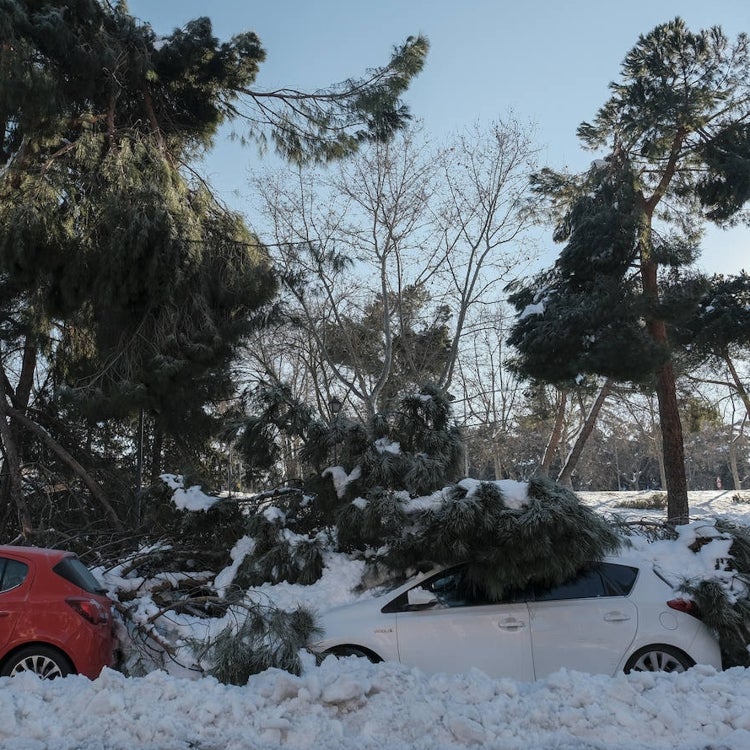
686 606
89 609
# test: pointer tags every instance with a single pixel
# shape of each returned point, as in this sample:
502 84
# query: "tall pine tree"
676 138
125 284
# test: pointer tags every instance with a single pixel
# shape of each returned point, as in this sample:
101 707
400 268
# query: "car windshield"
399 580
73 570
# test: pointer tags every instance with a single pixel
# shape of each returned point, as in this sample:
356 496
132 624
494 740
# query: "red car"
54 617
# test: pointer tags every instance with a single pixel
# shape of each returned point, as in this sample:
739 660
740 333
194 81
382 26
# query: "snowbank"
353 704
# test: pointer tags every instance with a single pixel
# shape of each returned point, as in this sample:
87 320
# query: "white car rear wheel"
659 658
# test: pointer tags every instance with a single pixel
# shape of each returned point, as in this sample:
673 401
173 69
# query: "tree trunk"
25 385
659 449
14 469
733 468
565 477
157 445
554 439
678 511
497 463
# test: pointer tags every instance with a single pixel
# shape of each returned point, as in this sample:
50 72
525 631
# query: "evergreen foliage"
407 453
585 315
721 321
417 448
267 637
120 275
214 530
675 133
272 412
726 616
545 541
368 524
279 554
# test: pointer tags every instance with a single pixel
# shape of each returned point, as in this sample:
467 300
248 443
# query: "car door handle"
4 614
616 617
511 624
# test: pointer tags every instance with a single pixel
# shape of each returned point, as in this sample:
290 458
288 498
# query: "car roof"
51 556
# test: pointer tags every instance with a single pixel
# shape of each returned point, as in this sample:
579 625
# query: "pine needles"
267 637
546 541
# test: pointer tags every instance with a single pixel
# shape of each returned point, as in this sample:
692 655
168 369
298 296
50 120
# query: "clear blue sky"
549 61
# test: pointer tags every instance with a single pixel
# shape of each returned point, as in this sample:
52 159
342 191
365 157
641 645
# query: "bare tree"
490 394
403 241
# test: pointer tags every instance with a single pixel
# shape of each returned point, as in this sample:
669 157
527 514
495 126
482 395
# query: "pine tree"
122 278
675 132
719 328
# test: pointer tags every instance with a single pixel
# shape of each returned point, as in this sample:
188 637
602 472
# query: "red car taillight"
89 609
686 606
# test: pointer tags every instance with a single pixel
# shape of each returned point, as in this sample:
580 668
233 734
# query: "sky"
548 62
351 704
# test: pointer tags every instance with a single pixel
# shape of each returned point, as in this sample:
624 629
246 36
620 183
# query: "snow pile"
352 704
188 498
700 552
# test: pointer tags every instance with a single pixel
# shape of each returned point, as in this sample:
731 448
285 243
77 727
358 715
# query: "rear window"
73 570
12 573
600 579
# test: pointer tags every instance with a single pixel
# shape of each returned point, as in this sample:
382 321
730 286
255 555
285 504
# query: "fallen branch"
92 485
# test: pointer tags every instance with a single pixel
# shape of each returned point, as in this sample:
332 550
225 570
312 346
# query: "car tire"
658 658
341 651
45 662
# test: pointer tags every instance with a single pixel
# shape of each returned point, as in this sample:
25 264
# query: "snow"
384 445
534 309
514 493
241 549
341 479
188 498
353 704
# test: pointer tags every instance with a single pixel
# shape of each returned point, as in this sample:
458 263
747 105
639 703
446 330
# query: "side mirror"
420 598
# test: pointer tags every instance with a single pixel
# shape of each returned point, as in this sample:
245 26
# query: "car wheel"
658 658
340 651
43 661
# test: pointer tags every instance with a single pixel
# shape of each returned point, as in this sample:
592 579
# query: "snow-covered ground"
353 704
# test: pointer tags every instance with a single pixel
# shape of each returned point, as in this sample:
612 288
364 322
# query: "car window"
455 588
12 573
73 570
452 588
621 578
601 579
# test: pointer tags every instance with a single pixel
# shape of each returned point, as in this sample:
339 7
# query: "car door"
585 624
460 630
13 594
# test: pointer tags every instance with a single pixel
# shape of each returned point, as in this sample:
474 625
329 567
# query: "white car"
617 615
